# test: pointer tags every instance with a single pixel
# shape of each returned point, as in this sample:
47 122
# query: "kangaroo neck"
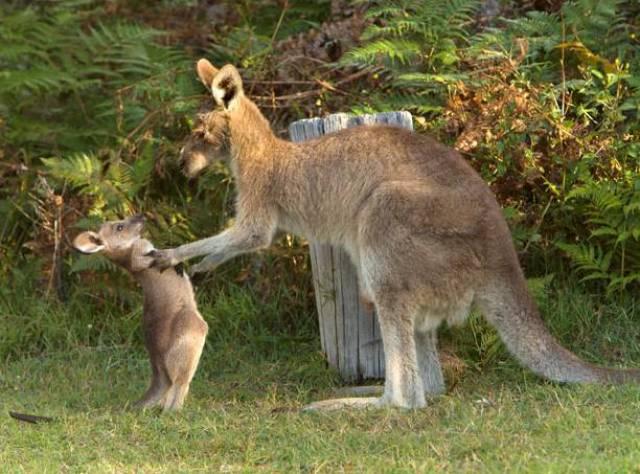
252 143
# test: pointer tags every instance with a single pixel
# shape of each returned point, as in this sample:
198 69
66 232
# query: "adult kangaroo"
425 233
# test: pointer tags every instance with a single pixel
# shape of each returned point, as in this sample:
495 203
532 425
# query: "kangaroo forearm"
202 247
225 245
212 261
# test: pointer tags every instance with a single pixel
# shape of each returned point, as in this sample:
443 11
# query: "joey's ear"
227 87
88 242
206 72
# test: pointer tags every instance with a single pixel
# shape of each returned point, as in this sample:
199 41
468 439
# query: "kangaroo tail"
510 308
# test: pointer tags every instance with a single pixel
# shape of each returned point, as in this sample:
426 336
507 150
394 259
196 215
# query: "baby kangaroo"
174 331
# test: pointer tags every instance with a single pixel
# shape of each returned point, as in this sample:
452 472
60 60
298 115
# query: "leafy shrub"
544 105
93 122
95 98
104 102
611 253
418 45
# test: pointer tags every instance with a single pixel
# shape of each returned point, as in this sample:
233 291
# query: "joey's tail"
510 308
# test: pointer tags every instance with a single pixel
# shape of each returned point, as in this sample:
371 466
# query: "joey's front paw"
163 259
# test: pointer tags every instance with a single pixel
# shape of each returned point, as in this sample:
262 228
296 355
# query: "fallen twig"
325 86
35 419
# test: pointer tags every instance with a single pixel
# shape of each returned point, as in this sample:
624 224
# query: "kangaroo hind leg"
403 382
156 392
429 361
182 362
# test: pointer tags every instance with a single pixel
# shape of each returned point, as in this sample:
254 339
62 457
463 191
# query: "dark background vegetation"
96 98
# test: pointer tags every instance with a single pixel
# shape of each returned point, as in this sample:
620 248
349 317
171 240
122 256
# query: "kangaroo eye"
119 227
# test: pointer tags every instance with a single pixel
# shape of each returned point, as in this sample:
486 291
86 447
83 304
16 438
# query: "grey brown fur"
174 331
424 231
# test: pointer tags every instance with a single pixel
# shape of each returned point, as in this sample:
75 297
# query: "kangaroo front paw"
163 259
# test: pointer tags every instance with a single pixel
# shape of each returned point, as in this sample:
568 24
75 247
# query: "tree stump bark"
349 330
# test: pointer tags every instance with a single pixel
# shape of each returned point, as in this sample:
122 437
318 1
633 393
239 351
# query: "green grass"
242 414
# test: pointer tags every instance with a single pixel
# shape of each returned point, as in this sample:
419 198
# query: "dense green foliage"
545 104
93 120
96 98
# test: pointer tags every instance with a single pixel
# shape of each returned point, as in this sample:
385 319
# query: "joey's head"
114 240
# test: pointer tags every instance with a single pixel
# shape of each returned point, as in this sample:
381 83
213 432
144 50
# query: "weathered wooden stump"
349 331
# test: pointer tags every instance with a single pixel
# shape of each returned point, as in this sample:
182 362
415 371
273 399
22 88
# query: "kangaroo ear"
88 242
227 87
206 72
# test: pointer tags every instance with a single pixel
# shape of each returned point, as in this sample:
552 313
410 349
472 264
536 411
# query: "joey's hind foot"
147 402
142 405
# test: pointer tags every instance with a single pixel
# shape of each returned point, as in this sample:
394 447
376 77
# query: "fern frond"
419 103
427 80
81 170
96 263
392 50
587 258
